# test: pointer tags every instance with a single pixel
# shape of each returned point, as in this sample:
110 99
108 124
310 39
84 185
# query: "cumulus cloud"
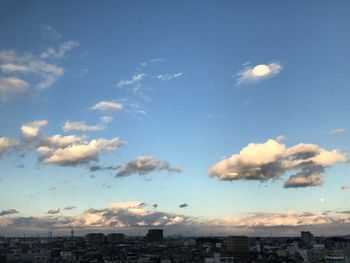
184 205
53 211
7 144
78 152
107 106
264 161
338 131
258 72
144 165
32 130
60 51
12 86
134 80
8 212
80 126
169 76
69 207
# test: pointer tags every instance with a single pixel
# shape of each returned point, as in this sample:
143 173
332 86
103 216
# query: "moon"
261 70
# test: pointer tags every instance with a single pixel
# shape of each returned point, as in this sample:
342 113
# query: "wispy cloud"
22 71
169 76
49 32
60 51
151 61
250 74
338 131
69 207
144 165
106 119
134 80
107 106
80 126
272 159
29 65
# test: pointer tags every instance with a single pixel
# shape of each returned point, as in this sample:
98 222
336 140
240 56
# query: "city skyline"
199 118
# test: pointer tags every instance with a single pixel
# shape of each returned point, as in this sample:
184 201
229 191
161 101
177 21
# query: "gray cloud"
155 206
272 159
144 165
344 212
184 205
134 217
53 211
309 176
8 212
345 187
69 207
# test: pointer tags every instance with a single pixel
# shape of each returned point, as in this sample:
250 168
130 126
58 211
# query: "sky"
199 117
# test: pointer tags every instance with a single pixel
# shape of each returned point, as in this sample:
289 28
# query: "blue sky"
170 91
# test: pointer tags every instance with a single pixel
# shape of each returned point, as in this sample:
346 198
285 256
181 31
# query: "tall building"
115 238
155 235
95 238
307 237
238 246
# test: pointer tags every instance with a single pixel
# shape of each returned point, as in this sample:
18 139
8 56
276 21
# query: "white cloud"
6 144
58 141
49 32
80 126
61 51
278 219
32 129
106 119
107 106
28 64
255 73
11 86
151 61
77 153
264 161
338 131
134 80
169 76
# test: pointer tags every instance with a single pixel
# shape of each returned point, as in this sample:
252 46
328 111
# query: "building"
155 235
95 238
238 247
115 238
307 237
